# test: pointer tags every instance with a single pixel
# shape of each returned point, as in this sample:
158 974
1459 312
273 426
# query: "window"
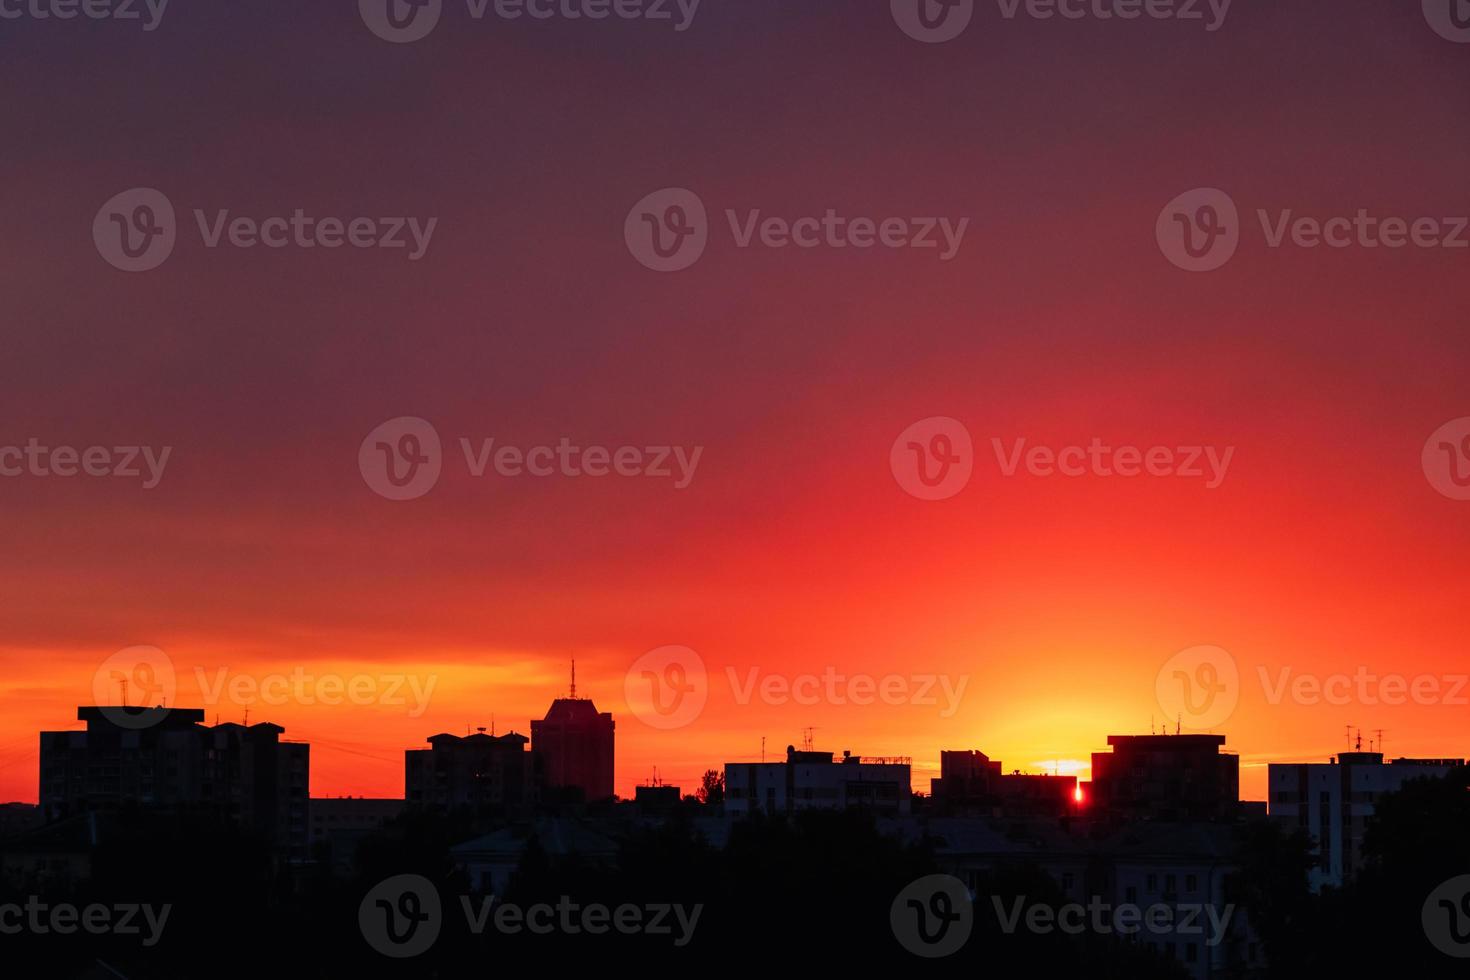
1191 882
1153 884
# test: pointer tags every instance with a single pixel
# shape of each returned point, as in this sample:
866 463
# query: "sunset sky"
793 549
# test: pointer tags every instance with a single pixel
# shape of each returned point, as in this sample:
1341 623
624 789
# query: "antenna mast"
574 678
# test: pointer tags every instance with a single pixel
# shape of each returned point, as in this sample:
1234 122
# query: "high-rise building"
815 780
487 773
1332 802
167 759
1166 777
573 748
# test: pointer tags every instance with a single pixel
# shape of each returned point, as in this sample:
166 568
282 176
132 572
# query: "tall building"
1332 802
815 780
167 759
573 748
1166 777
972 783
487 773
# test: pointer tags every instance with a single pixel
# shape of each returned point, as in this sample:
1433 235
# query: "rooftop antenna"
1379 733
1358 744
247 717
574 678
492 724
1179 723
763 748
806 739
125 690
1151 725
1349 729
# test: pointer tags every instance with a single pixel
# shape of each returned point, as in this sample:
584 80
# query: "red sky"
794 549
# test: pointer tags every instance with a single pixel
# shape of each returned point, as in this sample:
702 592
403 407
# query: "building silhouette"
166 759
487 773
970 782
573 749
816 780
1333 801
1166 777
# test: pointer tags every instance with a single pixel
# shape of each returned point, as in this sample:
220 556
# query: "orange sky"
794 549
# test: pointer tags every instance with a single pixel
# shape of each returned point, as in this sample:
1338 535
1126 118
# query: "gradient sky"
794 549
